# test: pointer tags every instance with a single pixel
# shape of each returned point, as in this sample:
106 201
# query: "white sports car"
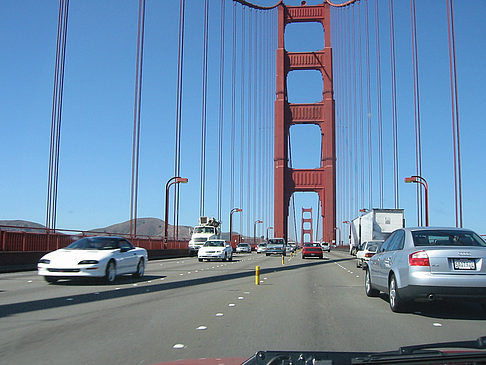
103 257
215 249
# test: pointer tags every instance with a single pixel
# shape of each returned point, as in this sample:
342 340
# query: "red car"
312 250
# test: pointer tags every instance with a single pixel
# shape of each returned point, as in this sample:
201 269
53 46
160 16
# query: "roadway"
184 309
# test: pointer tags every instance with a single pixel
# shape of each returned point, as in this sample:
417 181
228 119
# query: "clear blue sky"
95 164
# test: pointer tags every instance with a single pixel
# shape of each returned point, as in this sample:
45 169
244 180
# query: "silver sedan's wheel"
140 269
397 304
110 274
369 289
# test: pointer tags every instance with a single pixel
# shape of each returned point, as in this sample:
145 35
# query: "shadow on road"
450 309
41 304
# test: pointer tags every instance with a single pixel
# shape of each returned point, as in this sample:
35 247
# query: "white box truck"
374 225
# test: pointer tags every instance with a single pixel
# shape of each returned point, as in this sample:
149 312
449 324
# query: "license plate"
464 264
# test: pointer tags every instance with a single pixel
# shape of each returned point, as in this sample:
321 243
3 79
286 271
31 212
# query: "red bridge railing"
23 241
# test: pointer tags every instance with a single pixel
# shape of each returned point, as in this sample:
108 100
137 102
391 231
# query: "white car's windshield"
98 243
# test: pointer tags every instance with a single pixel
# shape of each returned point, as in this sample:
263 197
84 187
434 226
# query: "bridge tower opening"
322 179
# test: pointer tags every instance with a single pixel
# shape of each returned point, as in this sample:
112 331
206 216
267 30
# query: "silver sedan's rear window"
447 238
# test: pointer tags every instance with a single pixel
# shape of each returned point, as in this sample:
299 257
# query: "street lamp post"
268 228
254 230
231 222
420 180
172 181
339 230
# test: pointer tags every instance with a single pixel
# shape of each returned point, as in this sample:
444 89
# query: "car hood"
72 257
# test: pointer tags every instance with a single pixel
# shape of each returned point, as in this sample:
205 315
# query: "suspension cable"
56 115
394 102
178 127
380 112
455 115
242 112
221 111
368 107
418 142
233 111
204 107
136 119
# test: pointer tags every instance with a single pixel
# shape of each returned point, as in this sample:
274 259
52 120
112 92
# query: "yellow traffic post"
283 260
257 275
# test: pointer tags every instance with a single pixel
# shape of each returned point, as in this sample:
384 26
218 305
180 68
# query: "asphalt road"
184 309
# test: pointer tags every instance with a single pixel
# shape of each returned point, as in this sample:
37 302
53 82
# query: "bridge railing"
44 240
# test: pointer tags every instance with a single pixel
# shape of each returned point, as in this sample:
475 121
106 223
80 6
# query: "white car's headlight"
44 261
87 262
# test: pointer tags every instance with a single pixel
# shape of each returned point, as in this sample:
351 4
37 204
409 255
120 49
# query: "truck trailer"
374 225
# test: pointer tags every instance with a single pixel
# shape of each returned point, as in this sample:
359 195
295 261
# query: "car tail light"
369 254
419 258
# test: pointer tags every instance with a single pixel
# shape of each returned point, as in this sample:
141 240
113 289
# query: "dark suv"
275 246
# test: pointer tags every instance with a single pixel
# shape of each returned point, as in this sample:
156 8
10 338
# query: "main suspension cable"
136 119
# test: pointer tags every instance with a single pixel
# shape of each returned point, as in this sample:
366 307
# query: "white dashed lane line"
178 346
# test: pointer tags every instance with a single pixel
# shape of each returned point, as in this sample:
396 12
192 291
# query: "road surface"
184 309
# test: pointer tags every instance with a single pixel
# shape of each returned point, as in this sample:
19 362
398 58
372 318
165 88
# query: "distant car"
276 246
262 247
312 250
215 249
290 248
101 257
326 246
243 247
428 263
366 251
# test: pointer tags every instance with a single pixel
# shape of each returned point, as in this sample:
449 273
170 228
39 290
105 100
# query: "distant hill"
23 225
147 227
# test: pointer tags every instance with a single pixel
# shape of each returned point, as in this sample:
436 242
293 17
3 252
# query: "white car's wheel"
140 269
110 273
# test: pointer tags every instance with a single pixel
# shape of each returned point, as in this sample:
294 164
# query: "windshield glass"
211 230
312 245
94 243
214 244
447 238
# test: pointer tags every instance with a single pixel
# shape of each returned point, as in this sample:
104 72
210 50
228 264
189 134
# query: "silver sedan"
427 264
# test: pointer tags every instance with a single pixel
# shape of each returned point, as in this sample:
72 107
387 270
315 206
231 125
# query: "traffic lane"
322 307
38 295
27 286
130 327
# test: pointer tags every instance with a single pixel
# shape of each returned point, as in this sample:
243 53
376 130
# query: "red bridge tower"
320 180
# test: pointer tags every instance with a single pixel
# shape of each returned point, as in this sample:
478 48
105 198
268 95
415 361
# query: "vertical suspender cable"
418 142
204 107
250 122
56 113
233 111
368 108
221 110
242 112
378 85
178 127
361 123
355 110
394 102
455 115
136 119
